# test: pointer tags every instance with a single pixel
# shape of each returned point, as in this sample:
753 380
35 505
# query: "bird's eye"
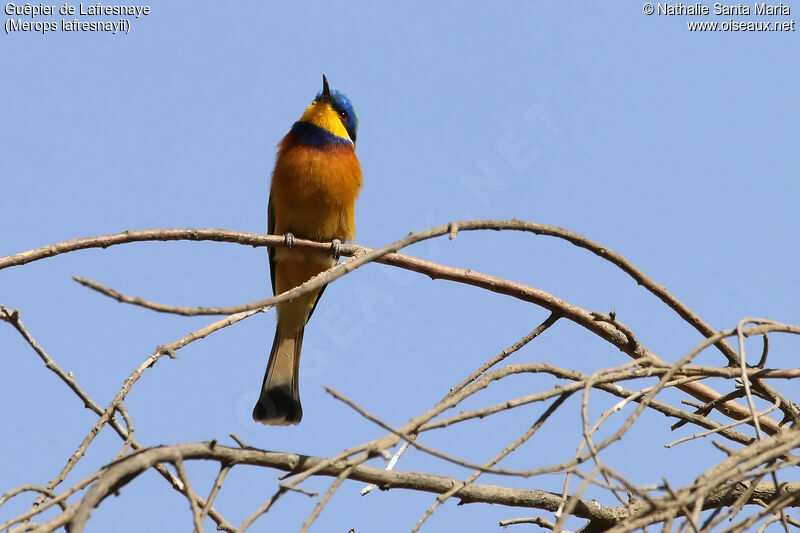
343 115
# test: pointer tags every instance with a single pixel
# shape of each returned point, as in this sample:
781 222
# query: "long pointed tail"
279 403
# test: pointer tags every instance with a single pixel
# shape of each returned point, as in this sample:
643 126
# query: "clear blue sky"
677 149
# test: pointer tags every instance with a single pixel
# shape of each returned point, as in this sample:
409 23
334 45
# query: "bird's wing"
319 295
271 249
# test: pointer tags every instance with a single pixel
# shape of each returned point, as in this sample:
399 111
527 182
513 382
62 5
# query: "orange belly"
313 196
314 192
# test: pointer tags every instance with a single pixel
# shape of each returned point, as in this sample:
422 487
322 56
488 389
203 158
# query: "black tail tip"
277 408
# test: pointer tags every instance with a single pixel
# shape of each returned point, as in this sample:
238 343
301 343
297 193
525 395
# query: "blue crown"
341 104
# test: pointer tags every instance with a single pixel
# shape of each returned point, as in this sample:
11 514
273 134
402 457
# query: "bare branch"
326 498
125 433
167 349
541 328
538 520
261 510
223 472
128 468
609 330
496 459
736 481
190 495
161 308
29 488
712 431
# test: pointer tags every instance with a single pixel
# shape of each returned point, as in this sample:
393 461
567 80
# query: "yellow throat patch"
322 115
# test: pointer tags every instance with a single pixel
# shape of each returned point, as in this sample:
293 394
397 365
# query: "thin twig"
155 306
715 430
218 481
14 319
745 377
427 449
56 500
538 521
190 495
541 328
325 498
261 510
30 488
496 459
167 349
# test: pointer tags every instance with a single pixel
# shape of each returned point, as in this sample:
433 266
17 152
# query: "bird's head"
333 112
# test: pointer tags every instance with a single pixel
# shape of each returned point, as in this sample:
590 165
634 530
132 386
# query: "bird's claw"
336 247
288 240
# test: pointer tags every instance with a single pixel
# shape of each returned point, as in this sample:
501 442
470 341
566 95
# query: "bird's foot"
336 247
288 240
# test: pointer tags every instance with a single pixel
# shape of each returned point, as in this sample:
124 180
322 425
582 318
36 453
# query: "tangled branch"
724 489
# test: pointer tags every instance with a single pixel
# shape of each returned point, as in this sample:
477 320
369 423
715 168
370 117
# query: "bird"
315 184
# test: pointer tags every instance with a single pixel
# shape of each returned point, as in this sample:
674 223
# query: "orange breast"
314 191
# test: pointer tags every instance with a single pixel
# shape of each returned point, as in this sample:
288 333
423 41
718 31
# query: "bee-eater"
314 189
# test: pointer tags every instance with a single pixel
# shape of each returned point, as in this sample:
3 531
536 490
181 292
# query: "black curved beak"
326 91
